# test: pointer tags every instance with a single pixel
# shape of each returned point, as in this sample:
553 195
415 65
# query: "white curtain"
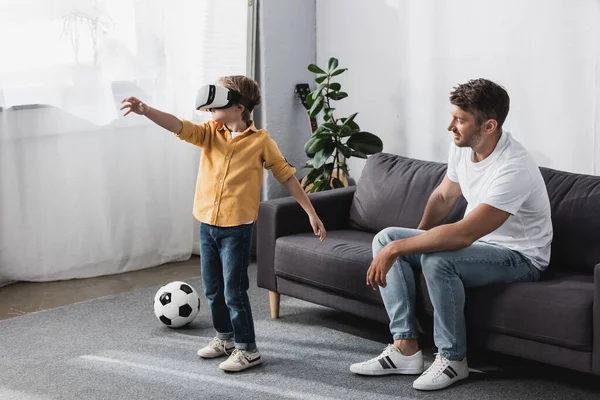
83 191
545 52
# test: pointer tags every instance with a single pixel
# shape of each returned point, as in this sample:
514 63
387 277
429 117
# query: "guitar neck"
313 123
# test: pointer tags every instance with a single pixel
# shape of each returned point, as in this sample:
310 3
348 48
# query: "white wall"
287 46
405 56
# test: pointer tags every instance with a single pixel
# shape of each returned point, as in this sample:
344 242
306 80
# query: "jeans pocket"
532 274
526 277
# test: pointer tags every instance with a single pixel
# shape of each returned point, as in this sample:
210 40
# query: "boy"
226 203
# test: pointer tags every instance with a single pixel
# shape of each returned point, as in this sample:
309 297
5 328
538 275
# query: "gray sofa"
554 321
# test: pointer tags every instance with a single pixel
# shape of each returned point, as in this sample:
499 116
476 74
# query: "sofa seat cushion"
338 264
557 311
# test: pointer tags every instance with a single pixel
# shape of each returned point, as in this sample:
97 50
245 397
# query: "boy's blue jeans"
447 275
225 257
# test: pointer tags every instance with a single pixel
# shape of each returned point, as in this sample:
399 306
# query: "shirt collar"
251 128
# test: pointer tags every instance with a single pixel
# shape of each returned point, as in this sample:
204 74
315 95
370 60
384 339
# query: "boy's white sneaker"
442 373
240 360
391 361
217 348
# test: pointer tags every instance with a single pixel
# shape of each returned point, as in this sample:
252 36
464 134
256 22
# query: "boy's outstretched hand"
135 105
318 227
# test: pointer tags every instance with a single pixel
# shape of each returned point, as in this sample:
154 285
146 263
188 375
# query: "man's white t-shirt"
510 180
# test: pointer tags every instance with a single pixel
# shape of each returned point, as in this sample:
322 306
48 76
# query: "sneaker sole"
248 366
429 388
403 371
209 357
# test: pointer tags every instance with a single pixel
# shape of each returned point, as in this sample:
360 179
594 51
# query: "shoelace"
237 355
438 365
386 352
218 343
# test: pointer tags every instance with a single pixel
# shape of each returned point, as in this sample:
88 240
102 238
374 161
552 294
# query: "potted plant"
336 139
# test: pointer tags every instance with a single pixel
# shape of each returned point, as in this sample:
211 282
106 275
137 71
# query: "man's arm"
482 220
478 223
440 203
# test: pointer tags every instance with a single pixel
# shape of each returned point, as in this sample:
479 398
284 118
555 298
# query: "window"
85 56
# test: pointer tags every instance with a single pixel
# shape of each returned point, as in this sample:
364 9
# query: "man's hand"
135 105
379 268
318 227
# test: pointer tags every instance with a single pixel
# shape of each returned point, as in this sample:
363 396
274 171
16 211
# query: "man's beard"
473 140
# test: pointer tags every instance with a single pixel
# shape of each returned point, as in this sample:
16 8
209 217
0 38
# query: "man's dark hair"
482 98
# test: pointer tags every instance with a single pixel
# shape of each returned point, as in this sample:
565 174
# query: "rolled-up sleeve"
276 162
194 133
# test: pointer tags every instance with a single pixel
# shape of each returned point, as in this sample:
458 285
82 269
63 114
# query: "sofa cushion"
557 311
338 264
393 191
575 202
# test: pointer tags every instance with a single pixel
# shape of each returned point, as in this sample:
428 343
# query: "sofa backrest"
393 191
575 203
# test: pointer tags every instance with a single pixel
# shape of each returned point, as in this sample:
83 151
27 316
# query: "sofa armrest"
283 217
596 323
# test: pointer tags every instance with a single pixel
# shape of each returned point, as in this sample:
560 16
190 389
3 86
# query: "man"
504 237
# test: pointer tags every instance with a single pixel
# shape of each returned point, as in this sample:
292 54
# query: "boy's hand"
318 227
135 105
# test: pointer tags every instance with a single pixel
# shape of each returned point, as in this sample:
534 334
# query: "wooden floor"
25 297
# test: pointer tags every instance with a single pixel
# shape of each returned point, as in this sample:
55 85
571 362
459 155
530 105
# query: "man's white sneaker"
442 373
391 361
217 348
240 360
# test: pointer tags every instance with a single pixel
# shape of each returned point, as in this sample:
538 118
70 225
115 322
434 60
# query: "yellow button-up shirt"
231 171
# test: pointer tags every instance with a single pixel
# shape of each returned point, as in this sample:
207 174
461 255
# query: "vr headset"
215 97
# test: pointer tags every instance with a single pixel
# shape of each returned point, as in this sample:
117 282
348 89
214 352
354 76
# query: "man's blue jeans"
225 257
447 275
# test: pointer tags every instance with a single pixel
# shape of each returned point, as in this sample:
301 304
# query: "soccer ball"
176 304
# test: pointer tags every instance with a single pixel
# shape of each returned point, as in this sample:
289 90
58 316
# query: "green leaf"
337 183
337 95
349 126
358 154
315 109
339 71
350 118
331 127
345 150
311 177
316 143
348 123
315 69
318 186
309 100
353 126
335 86
350 129
365 142
320 79
323 155
333 63
327 170
318 92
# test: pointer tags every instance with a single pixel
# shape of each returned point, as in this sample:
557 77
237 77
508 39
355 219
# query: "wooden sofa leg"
274 300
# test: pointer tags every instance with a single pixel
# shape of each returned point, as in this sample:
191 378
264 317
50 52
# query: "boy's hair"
482 98
246 87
